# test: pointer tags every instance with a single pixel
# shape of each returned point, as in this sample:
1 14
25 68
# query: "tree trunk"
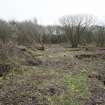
74 45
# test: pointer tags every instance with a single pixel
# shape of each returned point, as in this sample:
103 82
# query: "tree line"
75 29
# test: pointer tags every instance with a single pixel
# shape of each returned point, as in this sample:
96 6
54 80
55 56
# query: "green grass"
77 87
76 90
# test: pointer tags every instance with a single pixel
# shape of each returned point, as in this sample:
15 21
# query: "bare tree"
99 36
24 32
5 31
74 26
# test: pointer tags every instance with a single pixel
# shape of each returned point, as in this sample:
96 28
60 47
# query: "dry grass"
61 79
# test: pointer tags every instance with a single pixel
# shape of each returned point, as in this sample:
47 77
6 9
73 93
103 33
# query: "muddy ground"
62 76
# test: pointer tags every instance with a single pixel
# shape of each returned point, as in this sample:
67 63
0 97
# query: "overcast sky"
49 11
